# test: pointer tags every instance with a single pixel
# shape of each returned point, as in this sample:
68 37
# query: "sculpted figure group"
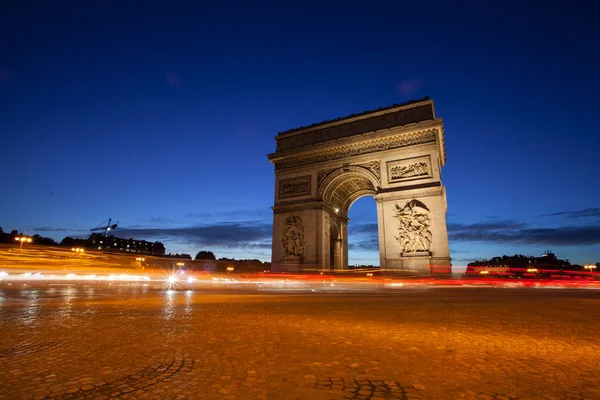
414 229
293 237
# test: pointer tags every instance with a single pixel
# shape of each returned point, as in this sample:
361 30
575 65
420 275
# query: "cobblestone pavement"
99 342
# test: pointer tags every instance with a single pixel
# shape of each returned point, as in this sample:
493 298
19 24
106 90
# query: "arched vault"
345 185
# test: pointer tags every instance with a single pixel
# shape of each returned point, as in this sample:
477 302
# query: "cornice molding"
308 205
409 194
298 206
358 148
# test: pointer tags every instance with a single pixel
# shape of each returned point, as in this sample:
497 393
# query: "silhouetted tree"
44 241
205 255
8 237
159 248
4 237
75 242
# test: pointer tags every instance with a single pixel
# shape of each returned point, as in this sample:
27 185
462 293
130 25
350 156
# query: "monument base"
288 265
418 264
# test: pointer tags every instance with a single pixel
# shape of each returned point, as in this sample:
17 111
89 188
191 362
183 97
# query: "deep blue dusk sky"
160 115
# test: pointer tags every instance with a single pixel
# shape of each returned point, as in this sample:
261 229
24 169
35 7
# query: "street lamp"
591 268
139 261
23 239
78 251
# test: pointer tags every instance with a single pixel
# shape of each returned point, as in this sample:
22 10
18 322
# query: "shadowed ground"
100 341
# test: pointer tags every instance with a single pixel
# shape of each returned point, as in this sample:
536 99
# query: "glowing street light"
23 239
591 268
78 250
230 269
139 262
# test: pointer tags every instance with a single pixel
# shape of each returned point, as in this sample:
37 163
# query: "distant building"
549 261
546 265
112 243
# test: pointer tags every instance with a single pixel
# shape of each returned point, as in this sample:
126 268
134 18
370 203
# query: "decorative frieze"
294 187
409 169
359 148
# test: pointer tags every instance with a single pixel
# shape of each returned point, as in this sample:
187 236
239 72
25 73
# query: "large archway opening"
339 191
363 241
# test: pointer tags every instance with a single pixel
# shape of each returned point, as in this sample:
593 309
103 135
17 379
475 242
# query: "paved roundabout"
94 341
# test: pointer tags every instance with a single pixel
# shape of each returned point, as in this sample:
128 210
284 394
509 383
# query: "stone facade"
394 155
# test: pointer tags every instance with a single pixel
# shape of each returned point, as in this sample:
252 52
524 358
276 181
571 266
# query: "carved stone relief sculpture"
294 187
293 237
409 170
373 166
414 231
324 173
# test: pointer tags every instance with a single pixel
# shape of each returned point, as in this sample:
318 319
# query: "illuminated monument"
393 154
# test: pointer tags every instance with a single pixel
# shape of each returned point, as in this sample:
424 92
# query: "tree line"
69 241
37 239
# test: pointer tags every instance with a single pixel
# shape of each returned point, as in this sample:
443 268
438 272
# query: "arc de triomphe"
393 154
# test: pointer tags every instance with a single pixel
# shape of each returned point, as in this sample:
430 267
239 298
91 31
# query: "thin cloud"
495 231
52 229
371 244
363 237
486 226
587 212
161 220
223 235
363 229
243 215
511 232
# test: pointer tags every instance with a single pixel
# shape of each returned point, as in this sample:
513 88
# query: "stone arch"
394 154
345 185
